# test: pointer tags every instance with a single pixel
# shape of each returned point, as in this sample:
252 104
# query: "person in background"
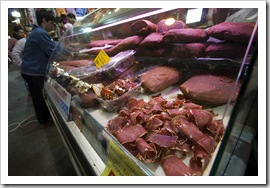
17 35
60 29
11 43
37 51
18 49
64 18
71 18
19 46
18 32
69 26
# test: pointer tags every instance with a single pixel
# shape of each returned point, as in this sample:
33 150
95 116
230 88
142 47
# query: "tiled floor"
33 149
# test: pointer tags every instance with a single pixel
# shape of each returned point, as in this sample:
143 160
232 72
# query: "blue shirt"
37 51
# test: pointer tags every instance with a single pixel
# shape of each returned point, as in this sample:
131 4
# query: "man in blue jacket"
37 51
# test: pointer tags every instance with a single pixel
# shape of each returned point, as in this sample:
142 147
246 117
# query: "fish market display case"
157 91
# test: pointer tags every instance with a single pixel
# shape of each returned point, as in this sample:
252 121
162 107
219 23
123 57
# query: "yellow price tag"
119 164
101 59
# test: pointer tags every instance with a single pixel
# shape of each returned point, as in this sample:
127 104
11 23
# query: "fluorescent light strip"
134 18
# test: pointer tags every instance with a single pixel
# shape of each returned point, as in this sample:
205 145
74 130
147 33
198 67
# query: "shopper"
17 35
60 26
11 43
69 26
18 32
37 51
18 49
19 46
71 18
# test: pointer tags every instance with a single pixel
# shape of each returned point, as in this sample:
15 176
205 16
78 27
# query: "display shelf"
83 156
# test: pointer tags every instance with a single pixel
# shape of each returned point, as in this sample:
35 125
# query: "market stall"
156 91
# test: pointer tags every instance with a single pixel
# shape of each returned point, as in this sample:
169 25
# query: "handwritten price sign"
101 59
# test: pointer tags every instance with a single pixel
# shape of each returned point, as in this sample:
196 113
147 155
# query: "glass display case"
157 91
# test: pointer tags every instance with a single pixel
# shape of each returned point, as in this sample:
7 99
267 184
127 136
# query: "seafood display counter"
153 92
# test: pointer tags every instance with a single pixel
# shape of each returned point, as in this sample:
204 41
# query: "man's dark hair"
44 14
61 19
71 15
64 18
17 28
58 19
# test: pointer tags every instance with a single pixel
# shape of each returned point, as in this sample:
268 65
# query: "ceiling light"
16 21
194 15
170 21
16 14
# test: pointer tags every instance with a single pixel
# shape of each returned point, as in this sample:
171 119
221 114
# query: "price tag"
101 59
120 164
